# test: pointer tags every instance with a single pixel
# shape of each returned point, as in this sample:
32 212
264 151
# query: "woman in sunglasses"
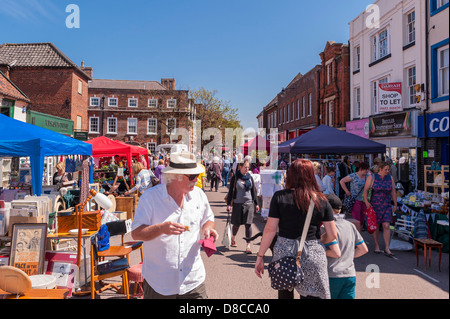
170 219
242 202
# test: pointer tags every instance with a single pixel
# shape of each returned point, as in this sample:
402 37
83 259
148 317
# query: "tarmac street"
230 272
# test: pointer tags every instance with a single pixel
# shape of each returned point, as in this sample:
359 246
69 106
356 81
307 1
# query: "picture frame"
28 243
63 266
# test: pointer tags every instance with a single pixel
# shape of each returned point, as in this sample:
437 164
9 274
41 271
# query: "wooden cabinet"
436 180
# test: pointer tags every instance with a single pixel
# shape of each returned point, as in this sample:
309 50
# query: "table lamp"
103 201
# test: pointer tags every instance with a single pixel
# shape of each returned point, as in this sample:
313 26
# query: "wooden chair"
101 270
427 243
120 228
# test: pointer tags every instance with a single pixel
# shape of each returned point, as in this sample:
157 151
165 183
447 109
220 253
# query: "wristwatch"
258 255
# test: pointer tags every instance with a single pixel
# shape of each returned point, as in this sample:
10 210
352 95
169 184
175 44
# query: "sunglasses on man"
192 177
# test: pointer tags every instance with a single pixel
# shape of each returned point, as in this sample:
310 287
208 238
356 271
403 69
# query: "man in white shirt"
171 218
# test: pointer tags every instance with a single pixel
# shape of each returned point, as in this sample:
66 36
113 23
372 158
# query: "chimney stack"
88 70
168 83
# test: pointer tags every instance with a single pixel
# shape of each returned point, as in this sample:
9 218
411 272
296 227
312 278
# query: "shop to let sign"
390 97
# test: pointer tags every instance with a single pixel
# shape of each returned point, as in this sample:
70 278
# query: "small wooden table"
37 294
427 243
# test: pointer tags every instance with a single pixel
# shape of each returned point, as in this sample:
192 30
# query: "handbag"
349 201
371 220
226 239
286 272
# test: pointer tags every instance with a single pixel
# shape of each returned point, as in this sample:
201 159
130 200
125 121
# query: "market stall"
105 147
329 140
257 147
23 139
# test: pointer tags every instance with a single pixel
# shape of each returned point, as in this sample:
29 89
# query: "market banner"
390 97
397 124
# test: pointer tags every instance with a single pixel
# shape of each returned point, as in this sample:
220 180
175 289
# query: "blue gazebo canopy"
22 139
329 140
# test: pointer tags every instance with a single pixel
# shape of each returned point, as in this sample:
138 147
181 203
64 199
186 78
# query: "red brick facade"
296 108
117 111
55 91
334 97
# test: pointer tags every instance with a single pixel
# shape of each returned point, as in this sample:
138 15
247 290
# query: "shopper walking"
159 168
357 181
287 214
383 194
226 171
171 218
242 193
216 173
341 269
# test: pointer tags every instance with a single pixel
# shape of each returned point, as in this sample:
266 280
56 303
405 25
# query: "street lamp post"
102 107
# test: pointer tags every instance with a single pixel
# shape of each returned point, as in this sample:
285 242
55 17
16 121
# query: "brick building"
13 102
54 84
334 85
298 105
142 112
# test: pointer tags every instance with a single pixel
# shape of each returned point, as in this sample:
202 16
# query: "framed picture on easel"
28 247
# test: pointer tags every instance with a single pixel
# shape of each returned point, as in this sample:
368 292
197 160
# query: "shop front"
359 128
434 137
398 131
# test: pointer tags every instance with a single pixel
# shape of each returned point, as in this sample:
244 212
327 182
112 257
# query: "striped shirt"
143 181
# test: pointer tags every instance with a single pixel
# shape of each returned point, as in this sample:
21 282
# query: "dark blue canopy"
22 139
328 140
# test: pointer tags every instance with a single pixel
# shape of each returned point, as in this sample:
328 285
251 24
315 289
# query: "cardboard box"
24 220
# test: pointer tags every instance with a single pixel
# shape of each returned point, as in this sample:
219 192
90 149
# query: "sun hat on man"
183 163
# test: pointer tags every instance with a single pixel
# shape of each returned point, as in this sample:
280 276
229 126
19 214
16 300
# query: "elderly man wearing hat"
171 218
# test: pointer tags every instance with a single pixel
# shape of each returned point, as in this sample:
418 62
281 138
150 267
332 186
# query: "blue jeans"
225 175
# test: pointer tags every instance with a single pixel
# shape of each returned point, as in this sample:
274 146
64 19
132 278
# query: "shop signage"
358 127
389 125
390 97
82 136
53 123
437 125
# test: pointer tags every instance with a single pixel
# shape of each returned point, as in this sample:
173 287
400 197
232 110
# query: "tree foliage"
214 112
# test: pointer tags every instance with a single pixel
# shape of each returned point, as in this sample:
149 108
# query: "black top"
292 220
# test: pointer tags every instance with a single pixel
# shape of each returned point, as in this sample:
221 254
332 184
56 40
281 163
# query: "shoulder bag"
349 201
285 273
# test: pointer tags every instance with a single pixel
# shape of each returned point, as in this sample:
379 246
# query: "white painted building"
403 44
392 50
387 46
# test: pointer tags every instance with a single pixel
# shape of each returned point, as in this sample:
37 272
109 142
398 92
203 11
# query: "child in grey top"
341 271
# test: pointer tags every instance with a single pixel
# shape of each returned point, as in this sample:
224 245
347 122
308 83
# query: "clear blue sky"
247 50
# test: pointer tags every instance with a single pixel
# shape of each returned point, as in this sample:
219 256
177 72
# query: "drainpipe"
427 77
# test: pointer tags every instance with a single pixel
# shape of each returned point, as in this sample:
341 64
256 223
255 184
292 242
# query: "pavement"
230 272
